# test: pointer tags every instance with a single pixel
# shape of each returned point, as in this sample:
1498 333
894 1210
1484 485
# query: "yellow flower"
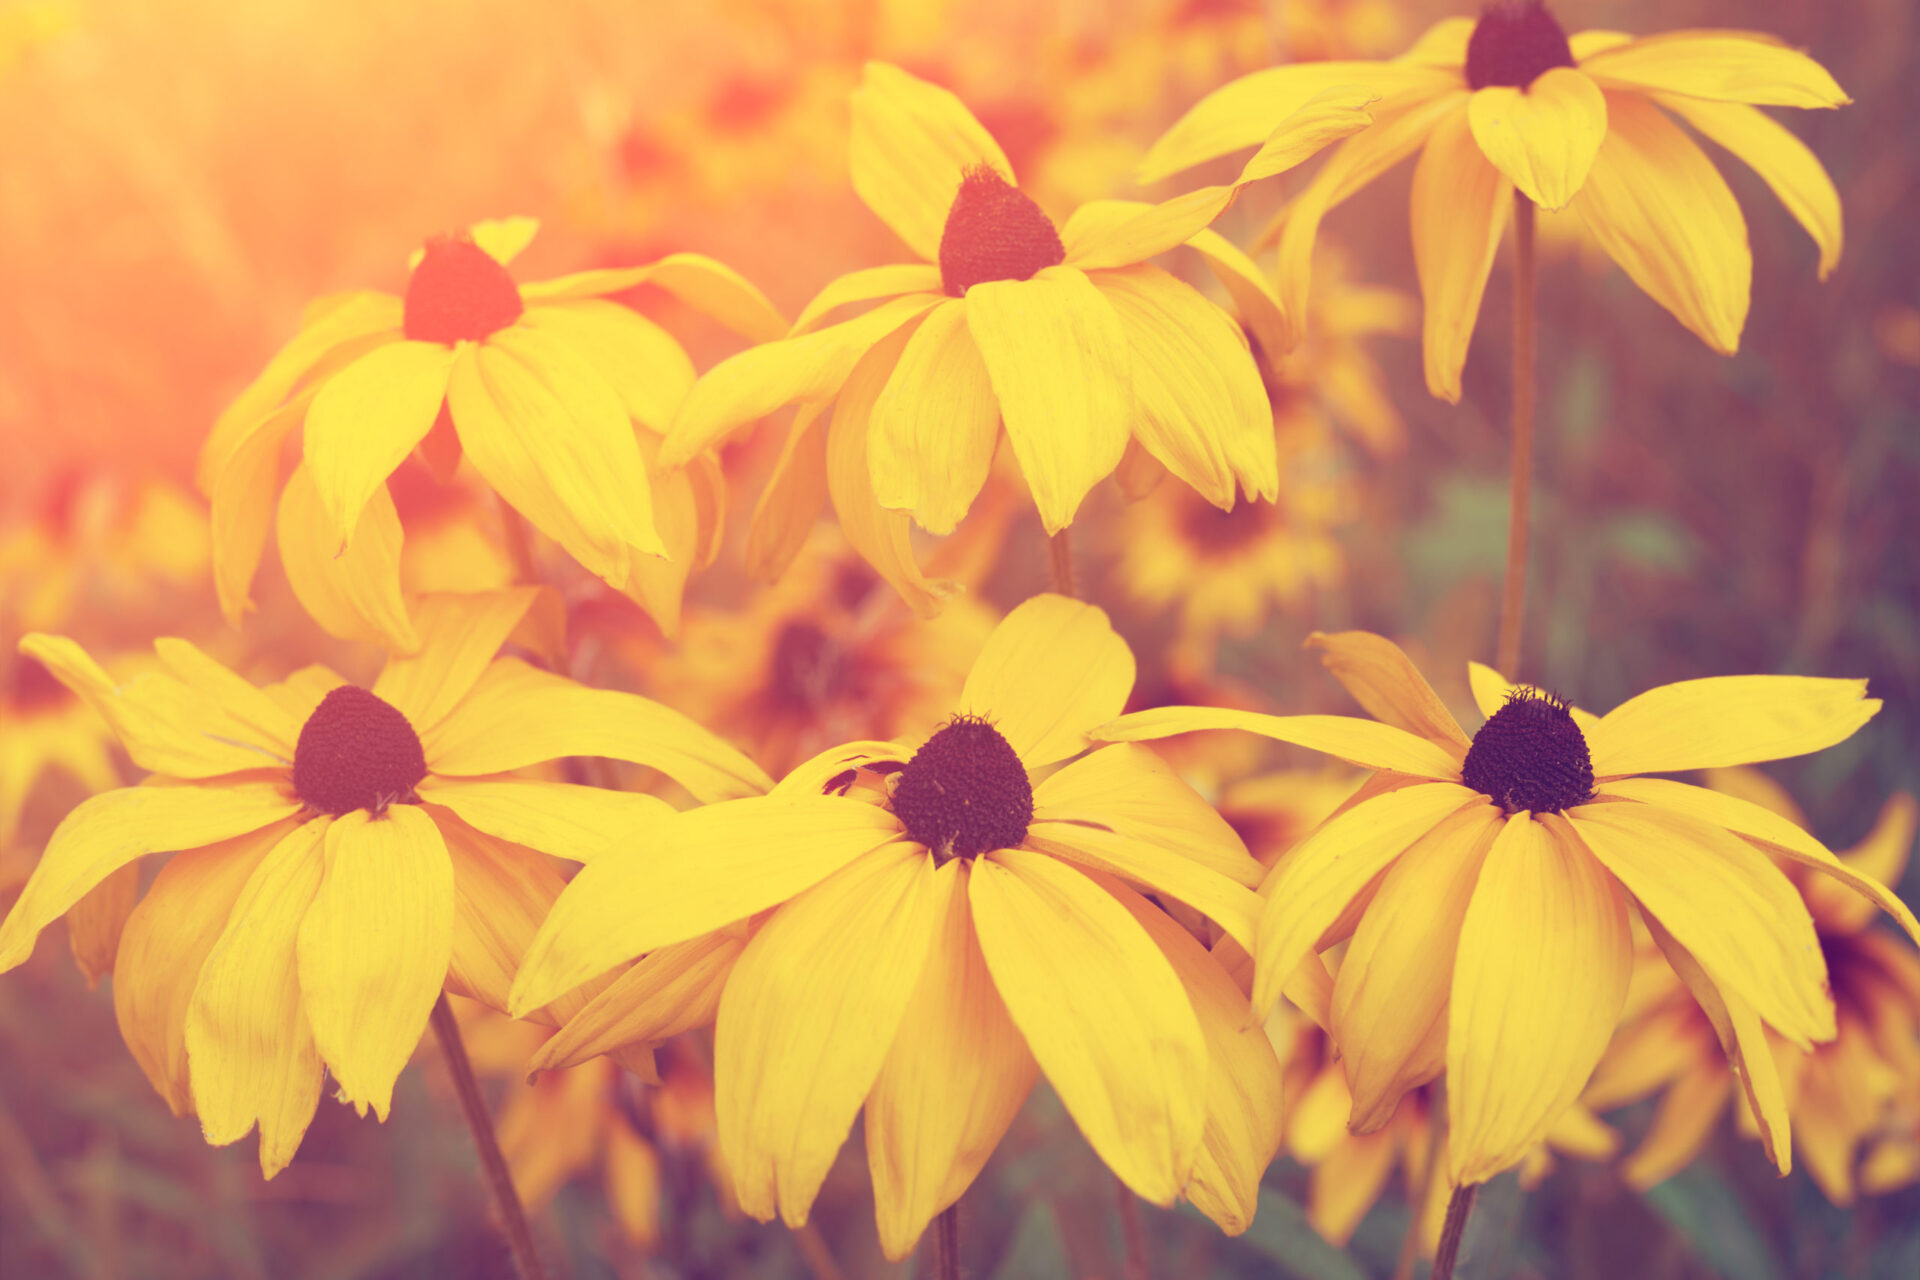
1842 1094
1511 102
1065 336
346 853
1485 883
556 395
939 920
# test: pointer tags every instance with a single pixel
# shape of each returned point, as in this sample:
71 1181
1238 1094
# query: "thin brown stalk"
815 1252
946 1243
1513 596
1459 1209
1060 555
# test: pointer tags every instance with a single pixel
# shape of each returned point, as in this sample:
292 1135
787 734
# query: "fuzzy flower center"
1530 755
1513 43
357 751
458 293
965 792
994 232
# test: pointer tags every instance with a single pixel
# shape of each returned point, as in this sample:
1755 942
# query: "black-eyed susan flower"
342 853
919 927
1485 884
556 394
1065 336
1510 103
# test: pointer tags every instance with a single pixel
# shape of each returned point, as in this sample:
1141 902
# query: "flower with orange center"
556 394
1064 335
1510 104
345 853
1486 883
920 927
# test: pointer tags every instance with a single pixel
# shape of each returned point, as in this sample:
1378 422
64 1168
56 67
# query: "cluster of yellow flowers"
913 930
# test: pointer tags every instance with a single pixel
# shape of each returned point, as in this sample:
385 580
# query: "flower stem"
1459 1209
474 1106
1133 1239
1060 549
946 1243
1513 597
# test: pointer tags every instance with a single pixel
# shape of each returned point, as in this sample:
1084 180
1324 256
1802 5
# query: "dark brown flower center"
458 293
1530 755
1212 530
357 751
994 232
1513 43
965 792
807 666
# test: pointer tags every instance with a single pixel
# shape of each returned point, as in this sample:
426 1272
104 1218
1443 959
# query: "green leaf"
1037 1252
1282 1234
1698 1204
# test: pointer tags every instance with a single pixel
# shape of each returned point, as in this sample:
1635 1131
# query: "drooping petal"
870 284
459 636
1538 985
518 715
374 946
1228 904
240 502
503 239
931 437
795 495
1724 720
700 870
1367 743
1656 204
353 592
364 422
708 286
1461 206
560 818
260 718
1102 1010
106 832
1384 681
1130 790
249 1050
501 893
645 366
688 507
910 144
1722 66
1725 902
1689 1111
94 923
1052 670
807 1018
674 989
1346 1182
1542 138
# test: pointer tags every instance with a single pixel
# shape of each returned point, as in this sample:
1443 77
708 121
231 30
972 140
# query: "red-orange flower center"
458 293
965 792
1514 43
994 232
357 751
1530 755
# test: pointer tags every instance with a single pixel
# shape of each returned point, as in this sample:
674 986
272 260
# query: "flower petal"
808 1016
688 508
1384 681
674 989
366 419
1538 985
352 592
1254 298
559 818
911 142
106 832
459 636
791 504
689 875
931 437
1461 206
517 716
501 893
1058 359
869 284
502 239
1367 743
1230 905
1491 691
1130 790
708 286
1725 902
1051 670
1689 1111
1656 204
258 717
374 948
1724 720
240 499
96 921
1723 66
645 366
1542 138
251 1055
1102 1010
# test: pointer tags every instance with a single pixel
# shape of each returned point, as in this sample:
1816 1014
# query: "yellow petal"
1656 204
364 422
1725 720
1539 982
1542 138
870 284
106 832
710 287
374 947
1390 997
1102 1010
352 592
633 1186
1255 301
1384 681
680 509
674 989
1461 205
1052 670
791 504
1203 410
933 430
1367 743
503 239
1130 790
459 636
517 716
94 923
642 362
1491 691
691 874
1688 1113
1230 905
251 1052
911 142
1724 66
1058 359
1725 902
1783 162
260 718
559 818
951 1083
1346 1183
240 493
1321 875
1879 858
808 1016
